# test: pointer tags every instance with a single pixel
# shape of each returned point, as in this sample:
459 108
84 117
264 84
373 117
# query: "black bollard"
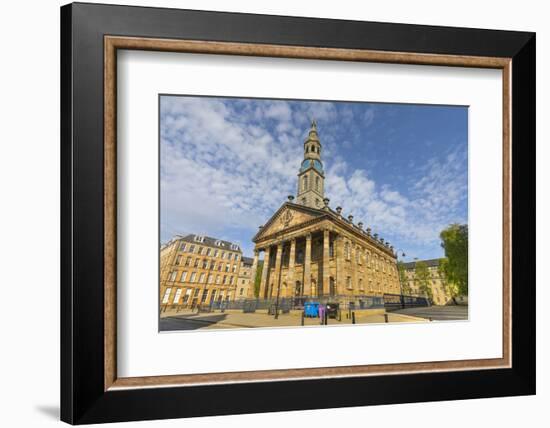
385 317
326 318
302 317
353 317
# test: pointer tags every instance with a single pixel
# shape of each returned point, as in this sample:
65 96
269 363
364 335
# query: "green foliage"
455 243
422 278
403 278
258 278
448 286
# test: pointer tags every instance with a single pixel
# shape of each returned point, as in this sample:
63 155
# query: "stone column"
274 286
339 255
307 266
291 281
326 262
265 270
252 275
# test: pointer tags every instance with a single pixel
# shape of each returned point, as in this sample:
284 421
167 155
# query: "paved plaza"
438 313
231 320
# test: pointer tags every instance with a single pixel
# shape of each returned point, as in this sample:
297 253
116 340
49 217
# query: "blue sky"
227 164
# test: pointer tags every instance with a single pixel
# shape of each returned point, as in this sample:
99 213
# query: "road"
437 313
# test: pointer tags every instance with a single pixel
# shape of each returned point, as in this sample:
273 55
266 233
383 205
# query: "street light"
399 274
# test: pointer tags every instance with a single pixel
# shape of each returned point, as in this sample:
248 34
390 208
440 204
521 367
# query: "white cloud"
231 165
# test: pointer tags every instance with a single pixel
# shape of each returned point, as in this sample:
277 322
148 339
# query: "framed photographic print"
255 207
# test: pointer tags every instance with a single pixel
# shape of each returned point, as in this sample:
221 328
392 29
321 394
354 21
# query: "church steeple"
311 178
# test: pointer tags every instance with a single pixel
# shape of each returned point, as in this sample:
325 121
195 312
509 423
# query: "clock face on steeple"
307 163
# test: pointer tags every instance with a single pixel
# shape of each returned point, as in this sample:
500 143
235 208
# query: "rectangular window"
177 296
182 246
208 251
205 264
223 254
241 291
191 248
178 260
196 264
166 295
229 256
172 276
225 279
236 257
204 296
196 293
188 261
212 265
210 276
183 276
348 282
187 295
231 280
201 277
193 277
234 268
217 279
215 253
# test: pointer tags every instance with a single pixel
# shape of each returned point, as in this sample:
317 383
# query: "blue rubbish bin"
311 309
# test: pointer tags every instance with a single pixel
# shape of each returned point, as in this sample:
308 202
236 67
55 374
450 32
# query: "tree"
448 286
405 287
455 243
258 278
422 279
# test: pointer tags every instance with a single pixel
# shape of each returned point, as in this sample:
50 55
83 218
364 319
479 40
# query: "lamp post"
399 274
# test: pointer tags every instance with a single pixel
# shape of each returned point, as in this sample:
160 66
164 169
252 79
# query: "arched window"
347 251
317 181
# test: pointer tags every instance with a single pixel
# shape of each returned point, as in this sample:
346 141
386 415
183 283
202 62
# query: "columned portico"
265 273
326 262
307 266
276 283
291 261
252 287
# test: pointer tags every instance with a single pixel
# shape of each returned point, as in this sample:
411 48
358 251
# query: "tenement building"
245 281
312 250
197 269
436 281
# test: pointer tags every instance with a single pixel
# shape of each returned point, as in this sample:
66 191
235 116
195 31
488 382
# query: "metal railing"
286 304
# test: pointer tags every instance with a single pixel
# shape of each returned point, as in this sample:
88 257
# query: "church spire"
311 176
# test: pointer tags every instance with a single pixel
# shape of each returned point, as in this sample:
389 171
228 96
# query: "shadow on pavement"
189 322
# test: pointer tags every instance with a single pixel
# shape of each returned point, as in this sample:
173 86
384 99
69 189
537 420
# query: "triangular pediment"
287 217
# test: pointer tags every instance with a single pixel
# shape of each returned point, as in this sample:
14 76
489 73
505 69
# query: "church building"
313 251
